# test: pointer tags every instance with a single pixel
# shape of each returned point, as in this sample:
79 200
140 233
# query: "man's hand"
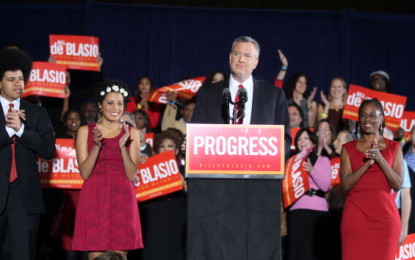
14 119
171 95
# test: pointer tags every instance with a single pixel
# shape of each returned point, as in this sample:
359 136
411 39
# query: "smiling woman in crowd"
371 172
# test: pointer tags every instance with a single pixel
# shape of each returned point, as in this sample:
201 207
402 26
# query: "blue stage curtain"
169 43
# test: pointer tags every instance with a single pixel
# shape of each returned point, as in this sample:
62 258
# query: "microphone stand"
243 98
226 100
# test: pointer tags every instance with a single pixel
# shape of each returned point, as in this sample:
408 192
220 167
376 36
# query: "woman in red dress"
371 173
107 152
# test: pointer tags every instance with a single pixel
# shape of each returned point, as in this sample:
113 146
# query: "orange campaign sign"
407 250
186 89
62 171
335 171
76 52
295 182
159 175
393 105
407 122
234 151
149 138
46 79
294 132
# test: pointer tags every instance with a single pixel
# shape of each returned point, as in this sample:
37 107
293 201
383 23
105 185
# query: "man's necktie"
13 170
238 117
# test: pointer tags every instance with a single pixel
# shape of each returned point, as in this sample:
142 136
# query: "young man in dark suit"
237 219
25 132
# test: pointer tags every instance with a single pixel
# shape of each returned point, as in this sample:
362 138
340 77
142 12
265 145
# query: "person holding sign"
307 216
25 134
371 172
164 217
107 216
248 226
170 113
72 122
380 81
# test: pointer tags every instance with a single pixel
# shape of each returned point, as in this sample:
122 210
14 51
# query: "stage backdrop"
168 43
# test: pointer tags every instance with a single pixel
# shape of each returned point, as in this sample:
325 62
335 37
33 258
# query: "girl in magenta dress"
107 152
371 169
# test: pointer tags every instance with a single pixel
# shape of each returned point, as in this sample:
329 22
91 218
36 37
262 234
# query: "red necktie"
238 117
13 170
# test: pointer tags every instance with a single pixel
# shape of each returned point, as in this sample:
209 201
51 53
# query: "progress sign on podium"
234 151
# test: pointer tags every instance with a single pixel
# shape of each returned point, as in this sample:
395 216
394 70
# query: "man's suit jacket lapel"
219 102
256 103
3 118
4 134
23 105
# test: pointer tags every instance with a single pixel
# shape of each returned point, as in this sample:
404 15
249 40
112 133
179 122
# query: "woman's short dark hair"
171 133
310 134
378 106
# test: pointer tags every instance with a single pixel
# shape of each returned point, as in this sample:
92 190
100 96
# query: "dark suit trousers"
20 228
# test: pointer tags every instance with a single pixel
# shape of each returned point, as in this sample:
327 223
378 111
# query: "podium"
234 177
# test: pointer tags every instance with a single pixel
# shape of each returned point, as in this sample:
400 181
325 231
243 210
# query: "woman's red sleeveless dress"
107 217
370 224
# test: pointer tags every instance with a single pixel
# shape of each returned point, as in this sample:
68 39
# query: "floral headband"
114 88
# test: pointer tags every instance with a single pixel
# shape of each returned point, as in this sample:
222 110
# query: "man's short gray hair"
248 39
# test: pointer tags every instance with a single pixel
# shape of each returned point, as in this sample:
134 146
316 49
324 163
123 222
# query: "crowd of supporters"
313 222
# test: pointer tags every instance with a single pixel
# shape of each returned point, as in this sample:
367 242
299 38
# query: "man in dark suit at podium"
237 218
25 132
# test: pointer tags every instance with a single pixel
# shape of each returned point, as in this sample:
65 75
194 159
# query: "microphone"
243 96
226 96
226 99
